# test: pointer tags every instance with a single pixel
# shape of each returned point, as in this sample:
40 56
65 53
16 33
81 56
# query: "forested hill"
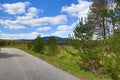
46 38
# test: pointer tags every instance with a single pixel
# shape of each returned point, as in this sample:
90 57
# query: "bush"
2 43
52 46
29 45
38 45
112 59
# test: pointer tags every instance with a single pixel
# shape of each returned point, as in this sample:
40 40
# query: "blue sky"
25 19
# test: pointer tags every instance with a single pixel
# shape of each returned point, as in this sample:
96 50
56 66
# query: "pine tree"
98 16
83 31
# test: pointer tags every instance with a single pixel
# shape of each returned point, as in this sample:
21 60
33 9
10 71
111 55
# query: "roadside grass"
66 65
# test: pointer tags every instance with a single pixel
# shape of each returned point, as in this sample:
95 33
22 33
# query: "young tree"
38 44
52 45
83 33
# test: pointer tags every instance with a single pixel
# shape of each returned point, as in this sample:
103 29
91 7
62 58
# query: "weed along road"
18 65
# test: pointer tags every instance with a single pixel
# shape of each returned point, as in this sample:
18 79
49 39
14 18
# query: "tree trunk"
104 29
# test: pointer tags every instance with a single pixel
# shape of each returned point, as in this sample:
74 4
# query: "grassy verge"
68 66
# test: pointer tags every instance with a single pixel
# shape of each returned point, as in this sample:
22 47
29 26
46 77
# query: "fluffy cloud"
22 21
32 12
31 35
64 28
43 28
60 33
15 8
60 19
77 10
11 24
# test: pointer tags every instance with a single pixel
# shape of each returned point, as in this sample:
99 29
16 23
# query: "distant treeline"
4 42
11 42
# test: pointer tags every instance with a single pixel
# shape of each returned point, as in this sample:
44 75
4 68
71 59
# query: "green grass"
66 65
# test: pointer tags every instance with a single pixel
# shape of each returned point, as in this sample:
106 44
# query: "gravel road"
16 64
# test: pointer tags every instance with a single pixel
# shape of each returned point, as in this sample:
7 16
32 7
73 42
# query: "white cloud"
64 28
59 33
77 10
11 24
31 35
29 20
60 19
26 20
32 12
15 8
63 34
44 28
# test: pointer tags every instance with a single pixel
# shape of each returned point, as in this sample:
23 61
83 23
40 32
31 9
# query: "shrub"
38 44
52 46
29 45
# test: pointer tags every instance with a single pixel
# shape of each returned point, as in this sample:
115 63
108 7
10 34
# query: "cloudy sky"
25 19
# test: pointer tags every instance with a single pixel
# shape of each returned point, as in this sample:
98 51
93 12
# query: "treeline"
4 42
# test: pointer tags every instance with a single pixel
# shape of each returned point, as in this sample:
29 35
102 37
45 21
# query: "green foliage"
52 46
103 12
38 45
89 54
29 45
112 59
73 42
2 43
89 59
83 31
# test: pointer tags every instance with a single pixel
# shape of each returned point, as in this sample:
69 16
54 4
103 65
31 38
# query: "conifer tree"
38 44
